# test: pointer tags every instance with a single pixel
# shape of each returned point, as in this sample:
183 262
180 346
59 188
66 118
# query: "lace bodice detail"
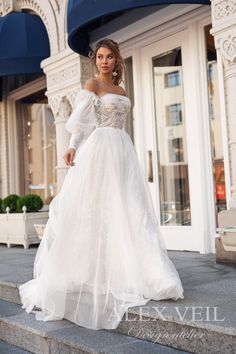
111 110
92 111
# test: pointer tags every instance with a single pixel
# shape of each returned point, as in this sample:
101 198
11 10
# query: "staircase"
203 322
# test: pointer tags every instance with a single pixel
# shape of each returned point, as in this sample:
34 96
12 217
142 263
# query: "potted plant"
18 214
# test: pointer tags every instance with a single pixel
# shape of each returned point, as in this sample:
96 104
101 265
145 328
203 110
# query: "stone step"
10 292
167 323
183 324
162 324
20 329
6 348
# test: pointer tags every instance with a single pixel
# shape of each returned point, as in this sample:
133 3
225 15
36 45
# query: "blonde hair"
120 64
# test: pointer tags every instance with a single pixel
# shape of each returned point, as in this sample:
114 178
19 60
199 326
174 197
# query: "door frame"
176 237
200 235
13 152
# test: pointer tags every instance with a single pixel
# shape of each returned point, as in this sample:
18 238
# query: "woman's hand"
69 157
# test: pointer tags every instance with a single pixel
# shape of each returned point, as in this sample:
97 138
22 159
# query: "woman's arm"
81 122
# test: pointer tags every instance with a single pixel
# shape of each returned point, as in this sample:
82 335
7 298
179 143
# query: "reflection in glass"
41 141
129 87
215 123
171 139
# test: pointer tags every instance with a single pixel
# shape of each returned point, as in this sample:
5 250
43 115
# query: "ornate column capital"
60 107
226 43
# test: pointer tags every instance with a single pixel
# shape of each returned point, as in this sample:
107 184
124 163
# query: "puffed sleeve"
81 122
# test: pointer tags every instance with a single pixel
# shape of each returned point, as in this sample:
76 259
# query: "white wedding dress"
102 250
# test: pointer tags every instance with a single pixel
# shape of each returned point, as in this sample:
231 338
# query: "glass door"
172 137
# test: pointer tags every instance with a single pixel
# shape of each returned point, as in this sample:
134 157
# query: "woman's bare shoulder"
91 85
122 91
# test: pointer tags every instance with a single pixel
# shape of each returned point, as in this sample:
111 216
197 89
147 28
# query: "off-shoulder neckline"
107 93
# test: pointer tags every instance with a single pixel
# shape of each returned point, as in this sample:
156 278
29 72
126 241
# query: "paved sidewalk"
205 282
209 304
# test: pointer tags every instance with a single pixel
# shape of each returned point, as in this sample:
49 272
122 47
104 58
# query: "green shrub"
33 203
1 211
11 202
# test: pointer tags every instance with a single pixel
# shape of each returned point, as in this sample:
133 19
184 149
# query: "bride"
102 251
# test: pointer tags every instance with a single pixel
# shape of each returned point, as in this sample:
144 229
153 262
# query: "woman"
102 250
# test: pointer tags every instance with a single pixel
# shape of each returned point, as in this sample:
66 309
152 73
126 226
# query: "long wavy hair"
119 65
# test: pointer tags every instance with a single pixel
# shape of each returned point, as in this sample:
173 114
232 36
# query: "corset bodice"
92 111
111 110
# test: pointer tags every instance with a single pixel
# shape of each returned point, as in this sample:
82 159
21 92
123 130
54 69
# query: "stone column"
66 73
224 32
61 109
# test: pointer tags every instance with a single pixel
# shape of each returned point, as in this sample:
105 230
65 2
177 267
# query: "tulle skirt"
102 251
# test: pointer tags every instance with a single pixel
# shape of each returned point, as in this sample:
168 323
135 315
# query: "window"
174 114
172 79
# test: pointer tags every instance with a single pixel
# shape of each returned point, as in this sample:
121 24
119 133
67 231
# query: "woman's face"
105 60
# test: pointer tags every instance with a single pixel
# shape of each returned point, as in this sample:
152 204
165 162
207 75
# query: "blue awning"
83 16
23 44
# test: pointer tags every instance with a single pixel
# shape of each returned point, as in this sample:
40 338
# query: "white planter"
227 229
40 230
228 237
18 228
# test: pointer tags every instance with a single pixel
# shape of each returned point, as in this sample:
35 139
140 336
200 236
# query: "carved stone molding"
229 48
63 75
64 109
81 68
224 8
226 43
54 103
60 107
71 96
7 6
86 68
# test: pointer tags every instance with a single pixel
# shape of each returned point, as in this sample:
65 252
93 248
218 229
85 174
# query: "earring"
114 73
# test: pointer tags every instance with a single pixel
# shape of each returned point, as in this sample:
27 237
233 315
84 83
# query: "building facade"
181 78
